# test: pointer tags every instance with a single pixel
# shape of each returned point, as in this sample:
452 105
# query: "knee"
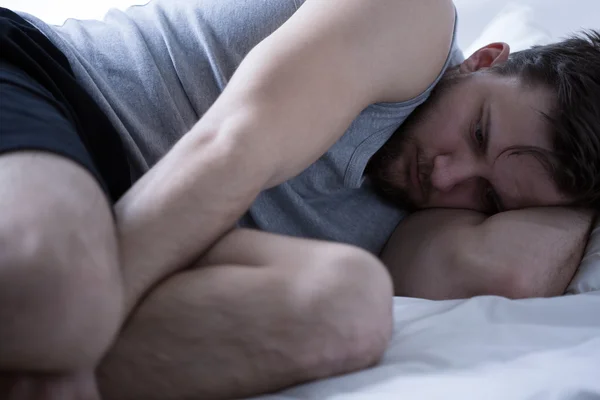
66 284
354 301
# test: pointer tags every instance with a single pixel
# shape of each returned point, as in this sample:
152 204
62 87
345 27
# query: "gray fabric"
155 70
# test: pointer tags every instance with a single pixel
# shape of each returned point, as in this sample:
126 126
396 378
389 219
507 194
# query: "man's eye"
479 135
491 200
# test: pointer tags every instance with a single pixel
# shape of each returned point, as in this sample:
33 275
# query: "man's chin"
407 204
387 174
396 196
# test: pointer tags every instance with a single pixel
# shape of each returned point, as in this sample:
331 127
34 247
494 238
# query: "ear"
486 57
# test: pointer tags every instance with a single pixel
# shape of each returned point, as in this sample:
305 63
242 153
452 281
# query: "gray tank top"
155 70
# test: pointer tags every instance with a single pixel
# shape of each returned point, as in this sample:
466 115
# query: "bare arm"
443 254
292 97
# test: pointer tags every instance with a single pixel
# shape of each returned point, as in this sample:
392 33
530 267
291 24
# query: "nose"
448 173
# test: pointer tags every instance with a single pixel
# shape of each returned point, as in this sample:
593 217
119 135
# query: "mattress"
485 347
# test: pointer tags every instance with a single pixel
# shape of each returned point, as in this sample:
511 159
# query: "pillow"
587 277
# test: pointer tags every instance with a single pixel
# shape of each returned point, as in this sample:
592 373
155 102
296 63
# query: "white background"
520 23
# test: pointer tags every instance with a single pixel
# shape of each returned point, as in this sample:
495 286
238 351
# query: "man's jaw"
390 173
424 168
414 176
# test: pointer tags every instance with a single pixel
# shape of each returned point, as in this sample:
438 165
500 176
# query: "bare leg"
261 312
60 296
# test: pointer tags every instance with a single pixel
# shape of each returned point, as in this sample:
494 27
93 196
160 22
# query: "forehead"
516 119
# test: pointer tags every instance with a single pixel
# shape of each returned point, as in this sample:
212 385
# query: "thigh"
274 312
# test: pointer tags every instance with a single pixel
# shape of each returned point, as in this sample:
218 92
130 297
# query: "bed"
486 347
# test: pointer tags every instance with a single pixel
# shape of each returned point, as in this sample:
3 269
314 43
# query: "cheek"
445 121
441 128
438 136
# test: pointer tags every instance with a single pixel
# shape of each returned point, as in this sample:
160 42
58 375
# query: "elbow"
479 273
515 278
541 279
513 283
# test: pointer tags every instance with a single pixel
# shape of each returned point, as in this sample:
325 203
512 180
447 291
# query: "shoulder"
420 44
394 48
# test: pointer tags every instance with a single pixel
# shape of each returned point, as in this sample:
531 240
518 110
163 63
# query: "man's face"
456 150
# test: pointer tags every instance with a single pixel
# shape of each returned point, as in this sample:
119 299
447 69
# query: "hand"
77 386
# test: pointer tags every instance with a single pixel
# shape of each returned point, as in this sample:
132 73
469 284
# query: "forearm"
441 254
536 250
181 206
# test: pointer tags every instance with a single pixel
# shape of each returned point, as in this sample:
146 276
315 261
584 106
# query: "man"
282 150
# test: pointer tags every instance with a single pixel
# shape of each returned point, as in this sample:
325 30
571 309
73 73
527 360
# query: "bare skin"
259 312
448 254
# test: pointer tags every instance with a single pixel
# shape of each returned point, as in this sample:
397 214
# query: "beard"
386 178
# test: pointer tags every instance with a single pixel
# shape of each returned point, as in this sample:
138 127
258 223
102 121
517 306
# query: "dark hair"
571 69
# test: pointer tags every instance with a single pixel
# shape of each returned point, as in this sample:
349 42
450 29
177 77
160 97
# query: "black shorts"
42 107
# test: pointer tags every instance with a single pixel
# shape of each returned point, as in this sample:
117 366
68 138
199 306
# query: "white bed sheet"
484 348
